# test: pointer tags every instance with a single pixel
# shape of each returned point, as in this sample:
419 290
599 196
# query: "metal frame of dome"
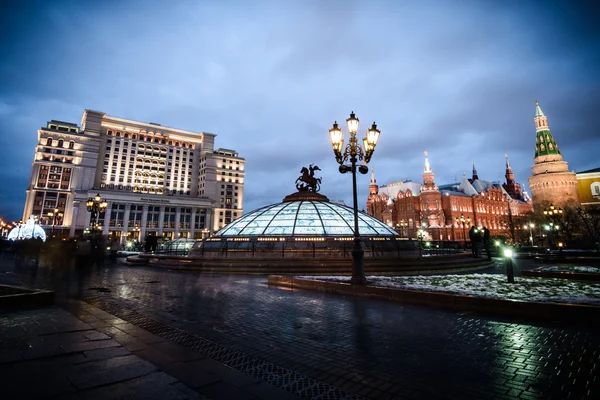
304 218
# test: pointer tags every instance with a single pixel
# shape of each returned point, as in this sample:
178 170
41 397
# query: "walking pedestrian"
486 242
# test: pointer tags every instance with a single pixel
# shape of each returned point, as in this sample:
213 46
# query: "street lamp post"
553 213
51 216
530 225
421 234
403 224
54 215
353 152
95 205
464 221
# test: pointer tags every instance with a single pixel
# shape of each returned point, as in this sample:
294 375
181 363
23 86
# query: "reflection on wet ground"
369 347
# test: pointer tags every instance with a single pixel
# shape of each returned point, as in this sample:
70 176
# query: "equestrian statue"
307 181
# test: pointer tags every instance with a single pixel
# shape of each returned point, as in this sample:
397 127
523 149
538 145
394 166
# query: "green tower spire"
538 110
545 145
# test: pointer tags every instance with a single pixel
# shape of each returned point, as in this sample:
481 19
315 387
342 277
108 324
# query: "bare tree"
590 219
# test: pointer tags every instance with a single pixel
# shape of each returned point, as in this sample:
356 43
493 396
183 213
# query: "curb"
537 310
26 298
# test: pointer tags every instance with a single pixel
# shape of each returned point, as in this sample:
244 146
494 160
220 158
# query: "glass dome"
304 218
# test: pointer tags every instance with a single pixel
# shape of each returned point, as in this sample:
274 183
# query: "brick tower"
511 187
431 198
551 181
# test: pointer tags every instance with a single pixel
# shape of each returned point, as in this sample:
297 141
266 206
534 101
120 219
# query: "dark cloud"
269 78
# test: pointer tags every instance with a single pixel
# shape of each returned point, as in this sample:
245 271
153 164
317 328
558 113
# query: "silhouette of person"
486 242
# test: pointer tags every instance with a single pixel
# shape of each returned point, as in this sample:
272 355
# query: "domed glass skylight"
305 218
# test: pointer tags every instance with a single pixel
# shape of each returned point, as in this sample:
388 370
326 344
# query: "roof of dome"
305 217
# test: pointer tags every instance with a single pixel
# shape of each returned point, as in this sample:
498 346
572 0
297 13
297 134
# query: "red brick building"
447 212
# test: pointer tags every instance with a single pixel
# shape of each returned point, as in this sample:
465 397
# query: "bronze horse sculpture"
307 181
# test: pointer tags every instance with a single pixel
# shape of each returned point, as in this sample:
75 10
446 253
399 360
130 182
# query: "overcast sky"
456 78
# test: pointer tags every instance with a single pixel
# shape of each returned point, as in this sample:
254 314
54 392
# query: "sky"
456 78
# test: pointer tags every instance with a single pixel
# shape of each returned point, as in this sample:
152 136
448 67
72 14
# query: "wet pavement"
363 347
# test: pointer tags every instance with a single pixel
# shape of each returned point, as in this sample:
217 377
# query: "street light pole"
464 222
353 152
95 205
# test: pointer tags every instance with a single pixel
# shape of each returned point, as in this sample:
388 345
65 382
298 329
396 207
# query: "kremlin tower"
551 181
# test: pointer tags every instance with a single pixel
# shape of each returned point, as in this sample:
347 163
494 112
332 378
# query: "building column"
193 223
107 214
125 228
161 220
74 216
144 222
177 217
211 218
28 204
87 219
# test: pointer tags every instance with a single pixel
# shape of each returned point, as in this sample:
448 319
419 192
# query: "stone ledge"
22 297
536 310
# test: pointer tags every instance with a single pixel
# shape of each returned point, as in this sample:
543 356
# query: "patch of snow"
490 286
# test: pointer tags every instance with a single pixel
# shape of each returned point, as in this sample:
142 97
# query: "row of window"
59 143
150 137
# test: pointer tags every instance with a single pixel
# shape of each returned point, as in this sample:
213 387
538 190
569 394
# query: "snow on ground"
490 285
571 268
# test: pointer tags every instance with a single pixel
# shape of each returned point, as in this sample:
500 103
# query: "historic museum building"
551 180
154 179
447 212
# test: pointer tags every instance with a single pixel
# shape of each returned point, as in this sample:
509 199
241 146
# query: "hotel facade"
156 180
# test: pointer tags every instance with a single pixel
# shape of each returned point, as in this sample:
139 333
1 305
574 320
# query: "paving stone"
154 356
223 391
155 385
51 364
97 344
39 351
86 378
192 377
95 335
190 393
223 372
109 352
176 352
65 337
265 391
10 355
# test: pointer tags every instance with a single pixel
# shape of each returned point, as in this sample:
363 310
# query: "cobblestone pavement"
370 348
49 353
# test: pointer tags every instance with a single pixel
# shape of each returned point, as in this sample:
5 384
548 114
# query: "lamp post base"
358 263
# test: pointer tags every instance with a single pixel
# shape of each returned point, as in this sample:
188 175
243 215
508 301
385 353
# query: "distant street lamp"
464 221
54 215
530 225
353 152
402 224
553 214
95 205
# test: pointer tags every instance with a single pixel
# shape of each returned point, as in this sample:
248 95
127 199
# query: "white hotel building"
159 180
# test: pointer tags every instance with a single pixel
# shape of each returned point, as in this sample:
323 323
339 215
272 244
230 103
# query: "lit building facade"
156 180
551 180
588 184
439 211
